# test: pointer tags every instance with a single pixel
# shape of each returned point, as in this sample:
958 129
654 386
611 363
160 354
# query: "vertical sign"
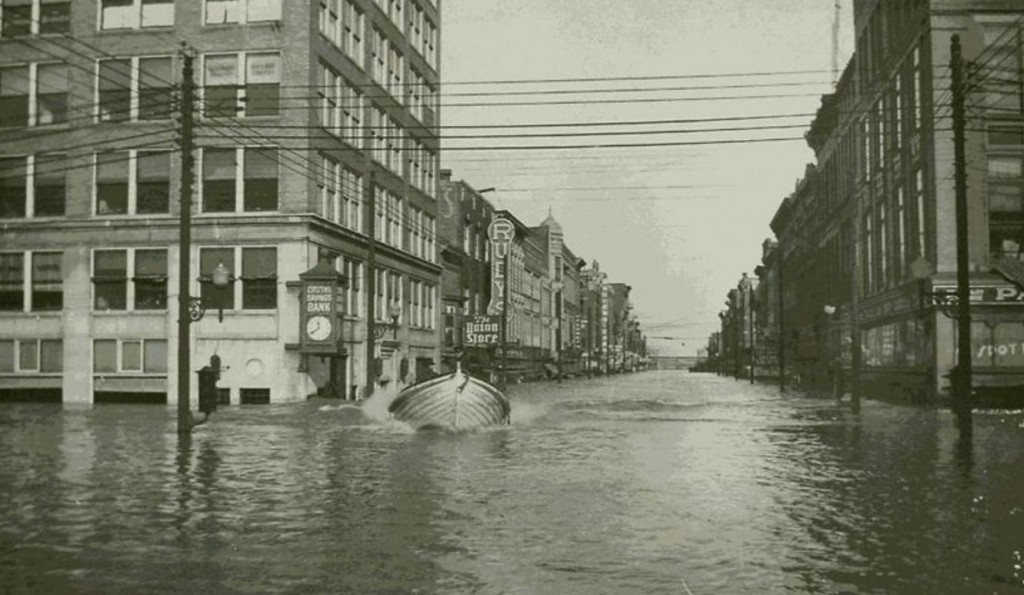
500 233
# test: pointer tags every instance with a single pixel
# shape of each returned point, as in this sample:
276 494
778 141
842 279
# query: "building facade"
868 240
464 216
333 157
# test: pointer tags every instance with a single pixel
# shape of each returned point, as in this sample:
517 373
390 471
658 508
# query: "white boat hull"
455 402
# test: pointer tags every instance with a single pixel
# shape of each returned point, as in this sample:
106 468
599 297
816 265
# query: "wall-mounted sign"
483 330
500 232
1002 294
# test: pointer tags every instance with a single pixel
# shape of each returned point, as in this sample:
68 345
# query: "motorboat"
454 402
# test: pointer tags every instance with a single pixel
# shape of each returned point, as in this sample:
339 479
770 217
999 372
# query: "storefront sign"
1003 294
500 232
483 330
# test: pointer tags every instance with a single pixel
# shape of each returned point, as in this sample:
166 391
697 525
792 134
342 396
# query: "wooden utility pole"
371 284
961 377
186 140
782 326
506 288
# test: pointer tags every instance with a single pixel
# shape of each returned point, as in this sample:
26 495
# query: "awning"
1011 268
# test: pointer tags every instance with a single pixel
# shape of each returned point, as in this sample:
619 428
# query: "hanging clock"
318 328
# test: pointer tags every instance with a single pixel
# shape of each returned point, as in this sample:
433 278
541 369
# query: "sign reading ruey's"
500 232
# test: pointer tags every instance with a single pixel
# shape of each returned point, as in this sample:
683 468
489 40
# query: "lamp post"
192 309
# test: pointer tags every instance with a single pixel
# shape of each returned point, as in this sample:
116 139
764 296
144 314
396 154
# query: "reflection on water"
652 483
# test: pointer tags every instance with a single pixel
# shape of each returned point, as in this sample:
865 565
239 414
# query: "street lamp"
220 278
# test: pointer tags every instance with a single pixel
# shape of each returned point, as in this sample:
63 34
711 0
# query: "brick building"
868 240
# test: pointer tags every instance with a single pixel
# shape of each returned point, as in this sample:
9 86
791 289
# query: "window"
153 187
1005 184
231 90
148 276
112 183
17 21
378 56
155 91
13 193
12 281
49 185
260 179
430 43
51 93
219 168
351 296
54 16
220 12
7 357
395 66
43 356
115 85
262 83
329 196
258 287
254 396
377 130
133 14
341 106
220 90
17 18
47 282
113 356
394 136
14 96
150 279
341 22
352 31
259 278
340 190
216 297
259 189
110 279
132 182
351 199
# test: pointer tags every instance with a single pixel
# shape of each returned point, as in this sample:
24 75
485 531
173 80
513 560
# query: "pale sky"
678 223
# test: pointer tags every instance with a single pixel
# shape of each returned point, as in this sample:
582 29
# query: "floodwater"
657 482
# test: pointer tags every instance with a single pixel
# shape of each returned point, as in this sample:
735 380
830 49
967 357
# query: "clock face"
318 328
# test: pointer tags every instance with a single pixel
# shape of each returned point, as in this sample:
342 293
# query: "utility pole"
371 284
782 326
186 140
505 288
961 378
750 328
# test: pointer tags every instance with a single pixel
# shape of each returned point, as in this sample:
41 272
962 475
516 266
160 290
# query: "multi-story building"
528 347
616 318
593 318
875 232
569 345
463 219
316 139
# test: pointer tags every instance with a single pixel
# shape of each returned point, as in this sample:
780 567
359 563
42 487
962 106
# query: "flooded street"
658 482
